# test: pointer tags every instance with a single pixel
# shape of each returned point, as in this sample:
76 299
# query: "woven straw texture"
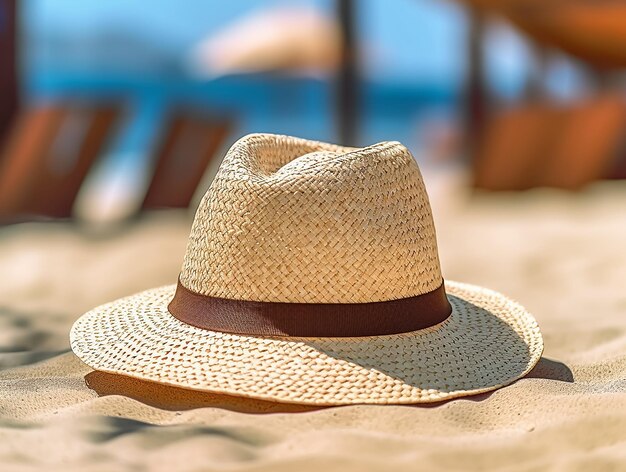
290 220
487 342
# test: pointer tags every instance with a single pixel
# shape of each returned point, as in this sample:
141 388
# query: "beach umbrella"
594 32
298 40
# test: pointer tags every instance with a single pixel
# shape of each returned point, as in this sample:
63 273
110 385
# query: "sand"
561 255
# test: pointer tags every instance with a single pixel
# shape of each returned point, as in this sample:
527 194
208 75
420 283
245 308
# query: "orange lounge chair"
588 145
190 143
47 155
515 147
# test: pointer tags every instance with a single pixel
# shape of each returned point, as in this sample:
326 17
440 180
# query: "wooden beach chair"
589 144
515 146
47 155
548 146
190 142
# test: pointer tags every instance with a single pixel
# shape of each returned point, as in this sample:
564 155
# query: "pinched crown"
292 220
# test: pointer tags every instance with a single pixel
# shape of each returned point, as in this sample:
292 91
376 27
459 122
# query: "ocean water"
298 106
302 107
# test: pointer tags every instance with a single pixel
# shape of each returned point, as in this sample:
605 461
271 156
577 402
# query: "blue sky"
410 39
414 50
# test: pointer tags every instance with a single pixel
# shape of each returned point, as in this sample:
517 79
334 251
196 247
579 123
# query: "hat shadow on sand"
176 398
168 397
172 398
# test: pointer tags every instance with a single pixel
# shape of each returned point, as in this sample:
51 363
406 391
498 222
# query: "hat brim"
487 342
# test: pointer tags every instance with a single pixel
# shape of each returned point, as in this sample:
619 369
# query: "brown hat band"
310 319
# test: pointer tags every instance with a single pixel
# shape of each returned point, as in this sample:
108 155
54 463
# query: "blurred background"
112 111
109 109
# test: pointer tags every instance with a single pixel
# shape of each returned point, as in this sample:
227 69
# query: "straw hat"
312 276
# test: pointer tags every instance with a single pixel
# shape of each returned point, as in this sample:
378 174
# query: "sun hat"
312 276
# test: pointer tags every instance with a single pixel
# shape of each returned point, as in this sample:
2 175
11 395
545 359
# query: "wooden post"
347 88
475 95
8 65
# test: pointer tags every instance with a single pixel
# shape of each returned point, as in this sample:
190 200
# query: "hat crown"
292 220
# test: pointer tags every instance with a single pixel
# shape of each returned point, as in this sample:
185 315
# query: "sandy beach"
561 255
